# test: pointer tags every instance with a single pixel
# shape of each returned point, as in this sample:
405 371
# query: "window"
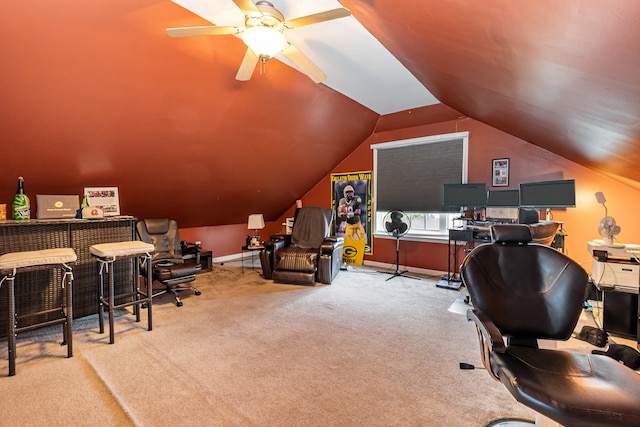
424 225
408 176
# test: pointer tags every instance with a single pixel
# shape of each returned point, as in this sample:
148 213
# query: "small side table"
251 249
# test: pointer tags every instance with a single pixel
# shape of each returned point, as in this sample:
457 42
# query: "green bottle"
21 204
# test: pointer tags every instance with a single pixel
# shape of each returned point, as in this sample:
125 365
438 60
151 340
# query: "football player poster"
351 198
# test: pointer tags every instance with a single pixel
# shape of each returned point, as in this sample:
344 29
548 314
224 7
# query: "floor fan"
397 224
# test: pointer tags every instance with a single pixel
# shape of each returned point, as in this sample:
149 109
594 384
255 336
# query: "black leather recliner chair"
168 267
522 292
306 255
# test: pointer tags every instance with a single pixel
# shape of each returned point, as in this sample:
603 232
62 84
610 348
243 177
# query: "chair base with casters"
107 255
174 277
16 262
522 292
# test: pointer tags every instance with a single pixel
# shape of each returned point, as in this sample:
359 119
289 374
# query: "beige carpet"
364 352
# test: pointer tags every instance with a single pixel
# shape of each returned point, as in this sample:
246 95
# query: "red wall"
527 163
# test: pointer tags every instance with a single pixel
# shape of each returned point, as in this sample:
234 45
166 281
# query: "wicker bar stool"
14 262
134 252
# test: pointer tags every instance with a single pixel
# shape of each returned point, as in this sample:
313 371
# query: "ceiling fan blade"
247 66
327 15
248 7
202 31
303 63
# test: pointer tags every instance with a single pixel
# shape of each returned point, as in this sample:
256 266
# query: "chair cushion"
296 259
571 388
116 249
32 258
165 270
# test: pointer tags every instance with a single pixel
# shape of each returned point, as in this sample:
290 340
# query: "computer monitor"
548 194
503 198
464 195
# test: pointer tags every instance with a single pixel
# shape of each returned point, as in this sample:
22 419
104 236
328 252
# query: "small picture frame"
500 173
105 198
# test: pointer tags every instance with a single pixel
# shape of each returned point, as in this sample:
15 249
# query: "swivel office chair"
168 267
522 292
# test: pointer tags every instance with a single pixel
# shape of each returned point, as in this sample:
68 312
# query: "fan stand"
398 273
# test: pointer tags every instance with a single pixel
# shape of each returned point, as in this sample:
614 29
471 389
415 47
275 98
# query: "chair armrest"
277 241
330 244
491 334
284 239
188 248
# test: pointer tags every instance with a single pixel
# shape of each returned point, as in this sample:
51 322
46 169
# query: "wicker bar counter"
34 291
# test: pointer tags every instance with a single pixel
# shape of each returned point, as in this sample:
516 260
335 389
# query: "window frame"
445 219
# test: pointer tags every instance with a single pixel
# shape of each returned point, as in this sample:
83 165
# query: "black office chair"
522 292
168 267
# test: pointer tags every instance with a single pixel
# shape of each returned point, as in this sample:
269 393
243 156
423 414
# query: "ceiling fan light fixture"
265 42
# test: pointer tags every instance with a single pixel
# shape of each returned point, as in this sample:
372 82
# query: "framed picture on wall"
500 173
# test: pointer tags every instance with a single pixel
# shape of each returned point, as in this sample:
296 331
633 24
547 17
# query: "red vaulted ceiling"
95 94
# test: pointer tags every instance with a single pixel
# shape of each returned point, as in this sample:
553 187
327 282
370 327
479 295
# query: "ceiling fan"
263 34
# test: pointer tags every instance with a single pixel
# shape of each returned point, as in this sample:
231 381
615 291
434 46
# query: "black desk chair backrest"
522 292
529 290
163 234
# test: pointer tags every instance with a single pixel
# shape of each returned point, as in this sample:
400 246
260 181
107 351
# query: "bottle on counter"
84 204
21 203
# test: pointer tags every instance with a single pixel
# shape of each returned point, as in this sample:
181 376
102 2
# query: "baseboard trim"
373 264
392 267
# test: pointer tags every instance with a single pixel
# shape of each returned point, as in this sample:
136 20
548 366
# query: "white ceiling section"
356 64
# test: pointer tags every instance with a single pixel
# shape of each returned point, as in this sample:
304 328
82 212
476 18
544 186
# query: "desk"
475 234
466 235
251 249
615 270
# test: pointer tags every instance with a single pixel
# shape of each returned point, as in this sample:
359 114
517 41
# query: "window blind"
409 174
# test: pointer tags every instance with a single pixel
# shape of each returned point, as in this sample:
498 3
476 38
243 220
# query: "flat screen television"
548 194
467 195
503 198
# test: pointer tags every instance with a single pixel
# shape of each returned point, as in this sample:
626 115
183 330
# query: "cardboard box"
49 206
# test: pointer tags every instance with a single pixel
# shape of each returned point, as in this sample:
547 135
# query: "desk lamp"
256 222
